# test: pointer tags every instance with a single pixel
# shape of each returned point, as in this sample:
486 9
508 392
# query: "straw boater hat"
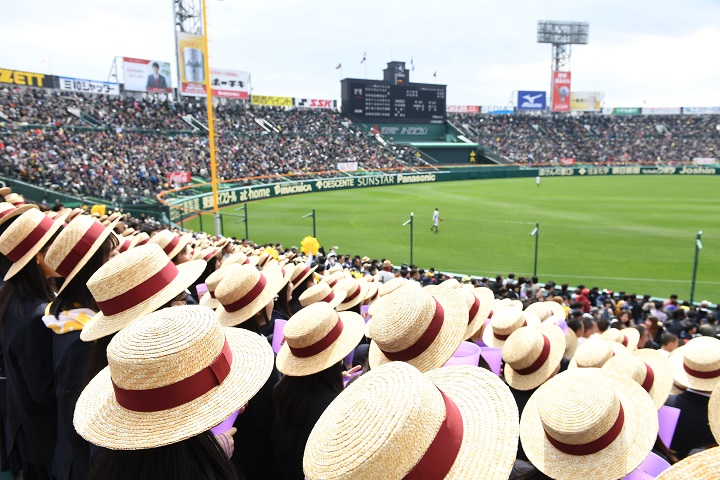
74 213
571 344
714 413
15 199
301 273
650 369
134 284
477 312
506 302
532 355
316 338
116 216
418 328
171 243
322 293
394 422
333 279
588 424
391 285
629 337
8 211
355 292
697 365
75 245
700 466
5 191
171 375
244 291
545 310
504 322
286 271
594 353
211 282
373 292
26 237
241 259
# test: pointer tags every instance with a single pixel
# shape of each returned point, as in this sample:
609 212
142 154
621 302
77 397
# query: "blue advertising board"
531 100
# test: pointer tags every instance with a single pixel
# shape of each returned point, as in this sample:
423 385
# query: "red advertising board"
561 92
178 177
568 161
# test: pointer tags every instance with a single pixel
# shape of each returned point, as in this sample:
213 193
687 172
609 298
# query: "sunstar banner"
561 92
531 100
151 76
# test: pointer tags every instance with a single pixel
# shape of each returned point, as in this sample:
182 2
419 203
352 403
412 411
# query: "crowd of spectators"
598 139
146 139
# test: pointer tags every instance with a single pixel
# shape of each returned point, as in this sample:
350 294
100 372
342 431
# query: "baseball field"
634 233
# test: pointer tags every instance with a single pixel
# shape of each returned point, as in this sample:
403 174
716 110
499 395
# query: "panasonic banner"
528 100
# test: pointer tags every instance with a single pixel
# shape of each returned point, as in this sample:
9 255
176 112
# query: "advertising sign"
705 161
561 92
626 111
151 76
191 55
531 100
568 161
661 111
347 166
25 79
586 101
178 177
229 84
271 101
463 108
315 103
88 86
700 110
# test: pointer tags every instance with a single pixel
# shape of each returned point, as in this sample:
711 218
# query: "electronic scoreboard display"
376 101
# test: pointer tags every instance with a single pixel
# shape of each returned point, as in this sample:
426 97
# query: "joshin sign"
561 92
191 52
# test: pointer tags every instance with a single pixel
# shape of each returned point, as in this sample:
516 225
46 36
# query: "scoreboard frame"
390 103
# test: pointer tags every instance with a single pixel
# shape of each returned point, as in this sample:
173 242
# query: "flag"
412 65
364 57
339 66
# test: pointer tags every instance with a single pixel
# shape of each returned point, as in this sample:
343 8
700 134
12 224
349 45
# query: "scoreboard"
376 101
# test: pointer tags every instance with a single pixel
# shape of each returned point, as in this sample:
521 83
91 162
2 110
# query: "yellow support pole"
211 121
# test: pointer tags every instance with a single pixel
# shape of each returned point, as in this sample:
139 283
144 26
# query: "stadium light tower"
562 35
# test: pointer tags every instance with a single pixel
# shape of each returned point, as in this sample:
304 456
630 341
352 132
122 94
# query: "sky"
660 53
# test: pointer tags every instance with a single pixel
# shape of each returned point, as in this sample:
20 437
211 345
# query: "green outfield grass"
635 233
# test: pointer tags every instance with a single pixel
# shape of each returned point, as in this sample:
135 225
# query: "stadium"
173 184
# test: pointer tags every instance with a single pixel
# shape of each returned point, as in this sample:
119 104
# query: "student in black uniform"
30 422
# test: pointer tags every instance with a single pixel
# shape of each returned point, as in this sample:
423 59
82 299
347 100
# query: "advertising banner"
25 79
88 86
152 76
561 92
568 161
531 100
271 101
315 103
626 111
463 109
705 161
700 110
191 54
178 177
229 84
586 101
661 111
347 166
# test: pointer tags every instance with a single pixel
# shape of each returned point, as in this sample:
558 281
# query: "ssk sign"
175 178
315 103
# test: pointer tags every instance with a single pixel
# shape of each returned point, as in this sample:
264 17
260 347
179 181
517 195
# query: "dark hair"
209 268
282 304
292 395
198 457
667 338
575 324
587 323
76 293
29 282
97 358
603 324
155 65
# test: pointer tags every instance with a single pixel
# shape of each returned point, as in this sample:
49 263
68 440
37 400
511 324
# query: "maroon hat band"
539 361
140 292
500 336
440 456
81 248
474 309
594 446
699 374
649 378
248 298
171 244
180 393
329 298
32 238
298 279
425 340
353 296
2 214
320 345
